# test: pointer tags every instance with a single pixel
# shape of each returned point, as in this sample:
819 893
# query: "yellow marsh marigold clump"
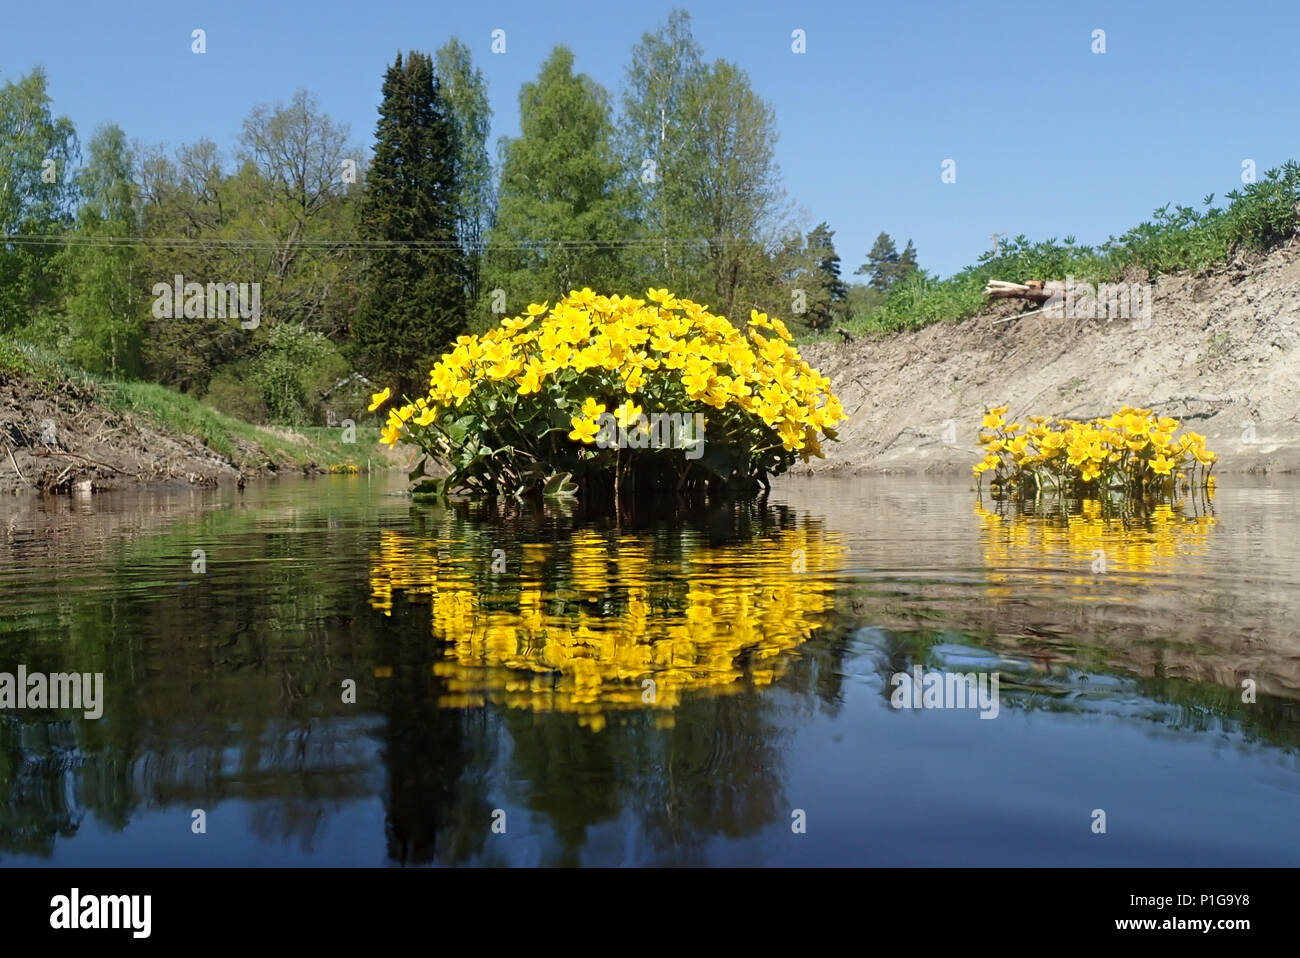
658 393
1134 451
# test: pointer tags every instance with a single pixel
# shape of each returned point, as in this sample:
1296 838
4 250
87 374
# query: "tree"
105 303
414 300
880 264
465 92
37 194
189 196
565 196
826 292
660 145
732 184
907 262
297 156
884 264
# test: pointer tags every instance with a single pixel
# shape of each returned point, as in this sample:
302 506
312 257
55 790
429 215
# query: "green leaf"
558 486
460 428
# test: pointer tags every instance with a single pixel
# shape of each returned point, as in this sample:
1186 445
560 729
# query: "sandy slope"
1222 354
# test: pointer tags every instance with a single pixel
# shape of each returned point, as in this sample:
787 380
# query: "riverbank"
61 432
1221 354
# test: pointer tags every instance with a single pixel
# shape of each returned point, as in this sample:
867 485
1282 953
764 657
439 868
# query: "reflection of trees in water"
38 772
702 763
436 758
214 692
716 768
1031 680
225 688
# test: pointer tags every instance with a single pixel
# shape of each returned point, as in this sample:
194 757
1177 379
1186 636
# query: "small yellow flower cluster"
1131 444
635 347
561 634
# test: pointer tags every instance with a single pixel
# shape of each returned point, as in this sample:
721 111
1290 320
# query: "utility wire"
185 242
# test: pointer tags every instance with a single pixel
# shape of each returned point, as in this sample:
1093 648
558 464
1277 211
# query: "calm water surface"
357 680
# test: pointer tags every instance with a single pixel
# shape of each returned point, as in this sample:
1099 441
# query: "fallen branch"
75 455
1032 290
1007 319
15 463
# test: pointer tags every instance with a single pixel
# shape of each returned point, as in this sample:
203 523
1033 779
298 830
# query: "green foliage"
231 391
37 193
105 304
242 443
413 303
292 371
565 196
12 359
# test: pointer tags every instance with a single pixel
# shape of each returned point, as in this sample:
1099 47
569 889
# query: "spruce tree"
907 262
826 292
414 301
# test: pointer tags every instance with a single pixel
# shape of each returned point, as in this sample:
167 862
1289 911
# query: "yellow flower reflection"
1090 542
598 622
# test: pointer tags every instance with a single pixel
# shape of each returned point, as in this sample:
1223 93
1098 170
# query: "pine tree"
881 264
414 300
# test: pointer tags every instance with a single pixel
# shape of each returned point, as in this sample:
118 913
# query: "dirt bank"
63 439
66 438
1222 354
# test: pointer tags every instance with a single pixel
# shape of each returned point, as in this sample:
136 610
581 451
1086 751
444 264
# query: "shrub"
563 393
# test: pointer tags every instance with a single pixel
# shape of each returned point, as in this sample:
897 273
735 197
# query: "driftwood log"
1032 290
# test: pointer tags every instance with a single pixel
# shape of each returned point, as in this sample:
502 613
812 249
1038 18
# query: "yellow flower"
1161 466
378 399
583 429
392 433
627 413
592 409
531 380
697 380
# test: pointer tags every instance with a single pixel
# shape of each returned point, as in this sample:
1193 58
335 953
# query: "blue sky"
1049 138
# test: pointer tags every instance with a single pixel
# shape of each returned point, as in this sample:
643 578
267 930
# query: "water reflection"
1086 536
594 621
480 691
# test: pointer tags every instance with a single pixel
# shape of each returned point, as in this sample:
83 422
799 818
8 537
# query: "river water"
322 672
